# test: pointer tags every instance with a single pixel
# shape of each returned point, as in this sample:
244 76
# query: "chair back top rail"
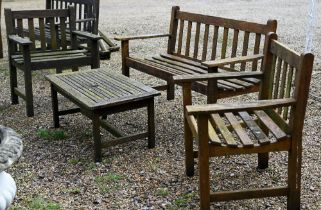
201 37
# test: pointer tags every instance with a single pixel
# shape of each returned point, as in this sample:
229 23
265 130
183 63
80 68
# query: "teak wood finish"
98 93
87 18
29 54
201 44
271 124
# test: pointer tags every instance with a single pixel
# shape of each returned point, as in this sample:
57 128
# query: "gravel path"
56 172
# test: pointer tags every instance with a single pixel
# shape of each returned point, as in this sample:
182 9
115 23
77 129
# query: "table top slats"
99 88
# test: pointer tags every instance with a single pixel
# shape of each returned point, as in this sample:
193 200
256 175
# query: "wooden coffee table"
98 93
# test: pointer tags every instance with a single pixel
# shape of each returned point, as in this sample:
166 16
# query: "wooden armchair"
271 124
87 18
199 44
28 54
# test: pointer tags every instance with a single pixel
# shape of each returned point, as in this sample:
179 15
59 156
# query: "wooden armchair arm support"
87 35
221 108
226 61
19 40
217 76
148 36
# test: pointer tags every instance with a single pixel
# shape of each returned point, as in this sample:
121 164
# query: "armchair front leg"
95 58
28 80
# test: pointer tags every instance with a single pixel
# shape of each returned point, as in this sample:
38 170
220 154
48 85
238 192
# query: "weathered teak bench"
198 44
273 123
28 54
87 18
98 93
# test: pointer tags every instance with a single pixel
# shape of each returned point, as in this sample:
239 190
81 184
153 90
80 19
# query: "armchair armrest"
226 61
87 35
19 40
148 36
221 108
225 75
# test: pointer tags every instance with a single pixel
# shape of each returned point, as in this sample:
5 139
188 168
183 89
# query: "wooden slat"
285 53
245 48
214 43
63 36
40 13
197 37
188 38
224 43
205 42
20 27
288 91
245 139
270 124
53 34
217 120
180 37
256 130
277 78
234 45
31 29
256 50
42 33
282 85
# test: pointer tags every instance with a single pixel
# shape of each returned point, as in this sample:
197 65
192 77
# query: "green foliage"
162 192
51 134
73 190
39 203
107 182
182 201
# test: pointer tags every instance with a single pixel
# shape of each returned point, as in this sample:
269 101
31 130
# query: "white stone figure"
10 151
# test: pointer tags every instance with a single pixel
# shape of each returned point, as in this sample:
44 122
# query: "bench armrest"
19 40
222 108
225 75
87 35
149 36
226 61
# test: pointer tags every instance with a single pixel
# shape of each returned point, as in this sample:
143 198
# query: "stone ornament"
10 151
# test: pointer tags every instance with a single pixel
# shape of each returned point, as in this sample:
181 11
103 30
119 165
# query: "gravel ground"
55 173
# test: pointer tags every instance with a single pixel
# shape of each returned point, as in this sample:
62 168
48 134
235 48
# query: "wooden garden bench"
98 93
271 124
87 18
28 54
198 44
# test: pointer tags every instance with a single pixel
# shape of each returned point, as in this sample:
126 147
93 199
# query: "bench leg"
28 92
151 124
293 199
170 90
124 55
13 84
54 100
97 137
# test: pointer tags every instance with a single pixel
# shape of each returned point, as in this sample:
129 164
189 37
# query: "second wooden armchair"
272 124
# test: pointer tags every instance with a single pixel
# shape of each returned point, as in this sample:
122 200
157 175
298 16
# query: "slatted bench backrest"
287 75
87 12
200 37
24 23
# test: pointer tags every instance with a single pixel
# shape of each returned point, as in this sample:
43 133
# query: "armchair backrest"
87 12
201 37
25 23
287 74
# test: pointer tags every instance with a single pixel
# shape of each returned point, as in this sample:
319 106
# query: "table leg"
97 137
151 124
54 99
